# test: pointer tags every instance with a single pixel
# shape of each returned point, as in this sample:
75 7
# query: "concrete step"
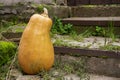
102 77
95 11
92 21
89 2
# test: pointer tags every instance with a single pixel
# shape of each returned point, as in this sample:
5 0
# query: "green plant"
111 30
57 64
80 37
68 68
99 31
77 37
59 28
7 52
59 42
60 78
108 32
54 1
6 24
46 75
110 47
1 5
39 7
81 70
16 28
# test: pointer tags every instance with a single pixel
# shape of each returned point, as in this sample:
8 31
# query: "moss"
1 5
7 52
110 47
14 19
59 42
89 6
17 28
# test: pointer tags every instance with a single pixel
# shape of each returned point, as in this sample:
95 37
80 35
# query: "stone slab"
93 21
12 2
61 2
95 11
60 11
28 77
102 77
104 66
24 12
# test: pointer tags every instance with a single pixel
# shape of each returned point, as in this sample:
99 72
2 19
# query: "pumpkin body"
36 51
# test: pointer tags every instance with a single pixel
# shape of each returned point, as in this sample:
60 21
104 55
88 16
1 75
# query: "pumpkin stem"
45 11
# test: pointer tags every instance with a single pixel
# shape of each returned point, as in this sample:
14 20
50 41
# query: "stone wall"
23 12
23 9
11 2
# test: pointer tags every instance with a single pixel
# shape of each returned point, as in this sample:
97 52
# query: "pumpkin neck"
45 13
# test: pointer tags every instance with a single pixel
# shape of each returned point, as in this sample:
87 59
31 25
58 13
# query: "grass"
63 67
59 42
63 43
7 52
71 67
76 37
110 47
16 28
59 66
59 28
4 25
108 32
11 25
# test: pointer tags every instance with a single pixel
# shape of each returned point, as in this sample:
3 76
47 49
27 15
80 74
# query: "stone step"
93 21
95 10
68 77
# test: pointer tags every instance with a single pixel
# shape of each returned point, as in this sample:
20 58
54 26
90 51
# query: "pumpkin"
35 52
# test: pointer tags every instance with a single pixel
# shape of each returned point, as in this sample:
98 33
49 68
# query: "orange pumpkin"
35 52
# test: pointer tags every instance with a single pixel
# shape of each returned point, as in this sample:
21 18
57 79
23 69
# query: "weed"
71 67
46 76
87 32
59 28
99 31
60 78
1 5
81 70
110 47
60 42
80 37
39 7
17 28
57 42
5 24
57 64
68 68
111 30
87 46
77 37
54 1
